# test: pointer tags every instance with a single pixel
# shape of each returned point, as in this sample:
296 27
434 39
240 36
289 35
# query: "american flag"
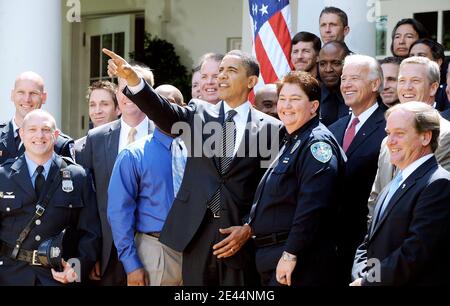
271 21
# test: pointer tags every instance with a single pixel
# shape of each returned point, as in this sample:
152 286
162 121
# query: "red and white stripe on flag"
271 22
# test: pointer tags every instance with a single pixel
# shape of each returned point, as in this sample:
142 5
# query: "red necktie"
350 134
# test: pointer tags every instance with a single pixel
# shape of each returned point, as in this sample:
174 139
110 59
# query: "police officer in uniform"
41 195
295 205
28 94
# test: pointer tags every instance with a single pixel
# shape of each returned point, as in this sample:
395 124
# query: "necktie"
178 164
39 182
228 142
350 134
392 189
131 135
17 140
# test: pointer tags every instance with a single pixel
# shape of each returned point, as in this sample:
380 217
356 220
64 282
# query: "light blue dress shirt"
141 192
32 168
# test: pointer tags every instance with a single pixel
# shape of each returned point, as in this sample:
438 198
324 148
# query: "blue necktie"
178 163
392 189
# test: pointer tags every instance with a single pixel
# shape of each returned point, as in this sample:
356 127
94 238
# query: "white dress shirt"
142 130
362 117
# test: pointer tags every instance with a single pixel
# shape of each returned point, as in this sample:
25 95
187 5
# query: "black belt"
23 255
153 234
272 239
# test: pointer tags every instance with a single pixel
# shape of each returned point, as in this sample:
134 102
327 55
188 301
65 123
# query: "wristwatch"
288 257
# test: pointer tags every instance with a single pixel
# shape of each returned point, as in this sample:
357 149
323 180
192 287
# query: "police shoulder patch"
321 151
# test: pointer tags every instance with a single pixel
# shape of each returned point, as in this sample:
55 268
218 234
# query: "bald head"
28 94
266 99
30 76
42 115
171 93
38 134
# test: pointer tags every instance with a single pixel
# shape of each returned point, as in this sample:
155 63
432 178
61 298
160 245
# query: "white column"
30 39
361 38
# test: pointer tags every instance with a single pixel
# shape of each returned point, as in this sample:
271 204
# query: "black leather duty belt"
272 239
23 255
153 234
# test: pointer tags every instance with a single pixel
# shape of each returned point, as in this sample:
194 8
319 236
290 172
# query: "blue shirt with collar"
140 193
32 167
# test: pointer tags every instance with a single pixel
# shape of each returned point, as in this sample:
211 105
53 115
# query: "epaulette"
68 160
61 134
9 161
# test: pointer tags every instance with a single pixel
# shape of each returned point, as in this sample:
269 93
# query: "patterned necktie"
178 164
228 143
392 189
39 182
131 136
350 134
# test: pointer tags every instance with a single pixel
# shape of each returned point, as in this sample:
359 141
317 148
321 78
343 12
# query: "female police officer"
295 205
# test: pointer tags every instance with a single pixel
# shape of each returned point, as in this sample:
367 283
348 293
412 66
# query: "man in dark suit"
28 94
330 62
418 80
27 220
217 190
103 109
360 134
407 241
99 155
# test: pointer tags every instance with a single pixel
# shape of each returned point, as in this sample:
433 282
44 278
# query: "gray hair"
375 71
433 72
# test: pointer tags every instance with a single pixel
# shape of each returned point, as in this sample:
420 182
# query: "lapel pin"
403 186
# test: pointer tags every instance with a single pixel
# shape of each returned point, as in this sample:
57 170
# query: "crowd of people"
336 175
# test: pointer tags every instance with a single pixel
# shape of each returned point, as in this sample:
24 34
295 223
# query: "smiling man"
304 53
360 135
28 94
418 80
103 144
408 238
209 70
29 180
202 217
103 108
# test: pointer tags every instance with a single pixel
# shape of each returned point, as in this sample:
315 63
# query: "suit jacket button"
38 222
8 209
37 238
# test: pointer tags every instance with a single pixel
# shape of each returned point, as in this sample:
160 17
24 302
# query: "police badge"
67 183
321 151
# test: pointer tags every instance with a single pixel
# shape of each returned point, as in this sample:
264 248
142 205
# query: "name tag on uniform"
67 183
8 195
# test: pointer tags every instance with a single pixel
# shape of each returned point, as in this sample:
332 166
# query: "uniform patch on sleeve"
321 151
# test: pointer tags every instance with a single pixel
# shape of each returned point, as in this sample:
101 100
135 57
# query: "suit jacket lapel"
112 138
250 132
8 139
22 177
340 131
366 130
403 189
219 119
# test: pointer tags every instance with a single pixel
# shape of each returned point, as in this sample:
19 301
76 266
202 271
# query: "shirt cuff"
135 89
132 263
